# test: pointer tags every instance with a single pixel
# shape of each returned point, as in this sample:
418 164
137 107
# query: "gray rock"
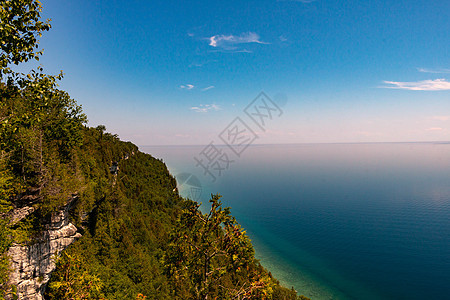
18 214
33 263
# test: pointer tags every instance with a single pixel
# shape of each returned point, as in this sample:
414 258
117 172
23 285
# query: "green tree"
206 249
20 26
5 230
35 118
9 231
73 280
39 124
101 129
32 109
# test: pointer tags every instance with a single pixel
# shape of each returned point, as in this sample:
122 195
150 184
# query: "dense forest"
140 239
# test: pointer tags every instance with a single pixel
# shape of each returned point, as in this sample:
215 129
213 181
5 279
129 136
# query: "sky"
180 72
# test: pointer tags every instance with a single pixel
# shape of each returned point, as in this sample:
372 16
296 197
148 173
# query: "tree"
38 116
9 231
32 109
73 280
5 229
101 129
20 26
210 255
38 123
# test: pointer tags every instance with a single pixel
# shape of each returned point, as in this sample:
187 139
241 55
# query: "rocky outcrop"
32 264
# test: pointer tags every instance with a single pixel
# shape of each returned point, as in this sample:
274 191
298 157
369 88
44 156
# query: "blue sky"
178 72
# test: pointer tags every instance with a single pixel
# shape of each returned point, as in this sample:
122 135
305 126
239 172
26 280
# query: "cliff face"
33 263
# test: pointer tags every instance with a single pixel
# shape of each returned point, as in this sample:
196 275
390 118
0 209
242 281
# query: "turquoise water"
340 221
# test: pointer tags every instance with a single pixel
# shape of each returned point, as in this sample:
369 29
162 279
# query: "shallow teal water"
340 221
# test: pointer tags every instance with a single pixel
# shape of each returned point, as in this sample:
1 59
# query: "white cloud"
283 38
424 85
435 129
208 88
230 42
187 87
191 87
437 71
199 64
206 108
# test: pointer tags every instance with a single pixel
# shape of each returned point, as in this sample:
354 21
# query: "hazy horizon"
305 143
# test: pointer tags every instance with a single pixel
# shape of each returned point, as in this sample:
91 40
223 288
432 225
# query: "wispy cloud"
208 88
206 108
199 64
435 129
187 87
231 42
424 85
436 71
191 87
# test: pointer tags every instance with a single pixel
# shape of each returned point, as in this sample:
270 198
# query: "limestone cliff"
33 263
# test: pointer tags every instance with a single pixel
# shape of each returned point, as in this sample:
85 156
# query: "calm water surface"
340 221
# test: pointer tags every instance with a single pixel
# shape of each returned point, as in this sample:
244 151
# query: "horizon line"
305 143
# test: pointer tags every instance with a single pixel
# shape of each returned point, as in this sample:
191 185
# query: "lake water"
338 221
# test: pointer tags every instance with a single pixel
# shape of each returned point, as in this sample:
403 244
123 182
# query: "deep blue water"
340 221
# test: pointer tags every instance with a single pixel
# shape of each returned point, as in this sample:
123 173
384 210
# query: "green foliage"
6 191
5 242
39 125
72 280
40 128
101 129
129 222
20 26
6 184
204 249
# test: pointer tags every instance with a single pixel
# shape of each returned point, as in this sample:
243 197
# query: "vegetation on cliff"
140 238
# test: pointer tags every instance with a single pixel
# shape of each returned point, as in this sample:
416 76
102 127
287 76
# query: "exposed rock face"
33 263
21 213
